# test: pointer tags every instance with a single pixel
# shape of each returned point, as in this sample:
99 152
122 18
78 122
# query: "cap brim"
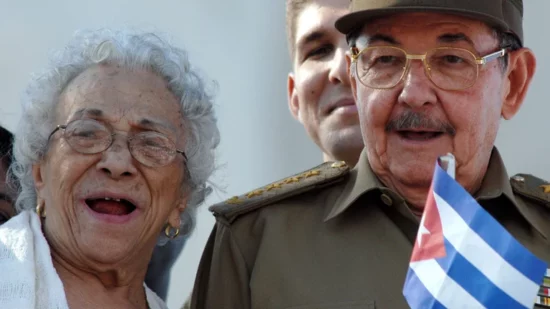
354 21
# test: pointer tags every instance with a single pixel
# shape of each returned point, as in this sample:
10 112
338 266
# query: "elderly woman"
164 257
113 154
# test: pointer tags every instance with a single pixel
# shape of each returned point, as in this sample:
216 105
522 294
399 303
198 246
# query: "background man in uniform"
319 93
333 238
158 272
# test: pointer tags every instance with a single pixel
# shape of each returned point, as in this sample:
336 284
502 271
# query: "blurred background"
241 44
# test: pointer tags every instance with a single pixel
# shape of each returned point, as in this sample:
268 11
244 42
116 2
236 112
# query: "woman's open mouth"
111 206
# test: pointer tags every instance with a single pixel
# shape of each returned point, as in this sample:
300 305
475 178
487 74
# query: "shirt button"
386 199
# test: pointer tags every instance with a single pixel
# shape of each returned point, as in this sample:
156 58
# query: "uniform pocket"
363 304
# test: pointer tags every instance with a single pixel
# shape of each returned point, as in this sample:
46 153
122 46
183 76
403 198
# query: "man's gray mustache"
410 120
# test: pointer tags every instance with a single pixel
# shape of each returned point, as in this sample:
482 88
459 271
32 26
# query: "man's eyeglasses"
449 68
89 136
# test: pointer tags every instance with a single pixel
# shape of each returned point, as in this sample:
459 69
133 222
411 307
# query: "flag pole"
447 163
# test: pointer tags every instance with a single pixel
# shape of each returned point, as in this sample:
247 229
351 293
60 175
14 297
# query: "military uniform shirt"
335 238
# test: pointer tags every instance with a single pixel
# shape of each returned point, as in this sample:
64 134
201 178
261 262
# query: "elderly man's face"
404 159
6 197
319 92
91 229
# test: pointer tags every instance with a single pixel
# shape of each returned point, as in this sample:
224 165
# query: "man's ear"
353 82
293 99
522 64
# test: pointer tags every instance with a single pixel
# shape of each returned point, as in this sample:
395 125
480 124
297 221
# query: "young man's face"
319 92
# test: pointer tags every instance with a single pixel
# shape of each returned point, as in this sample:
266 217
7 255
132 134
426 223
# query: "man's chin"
413 175
342 139
345 111
346 128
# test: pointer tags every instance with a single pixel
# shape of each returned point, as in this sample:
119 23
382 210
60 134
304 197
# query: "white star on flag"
422 231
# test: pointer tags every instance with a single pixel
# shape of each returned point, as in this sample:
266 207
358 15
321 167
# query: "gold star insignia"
546 188
292 179
233 200
273 186
312 173
255 193
339 164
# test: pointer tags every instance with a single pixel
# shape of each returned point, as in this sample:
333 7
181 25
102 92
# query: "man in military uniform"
319 92
430 77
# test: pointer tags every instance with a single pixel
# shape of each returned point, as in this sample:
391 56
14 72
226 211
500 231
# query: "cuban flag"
463 258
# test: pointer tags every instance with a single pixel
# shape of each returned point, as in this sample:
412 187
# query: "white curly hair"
131 50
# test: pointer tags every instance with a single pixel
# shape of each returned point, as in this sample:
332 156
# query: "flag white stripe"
430 273
483 257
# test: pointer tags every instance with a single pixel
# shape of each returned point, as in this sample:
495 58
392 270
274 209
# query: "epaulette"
531 187
319 176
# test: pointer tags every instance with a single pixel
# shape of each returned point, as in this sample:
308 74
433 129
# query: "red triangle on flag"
429 242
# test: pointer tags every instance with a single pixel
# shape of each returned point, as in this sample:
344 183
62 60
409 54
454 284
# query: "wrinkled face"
84 220
7 197
319 91
464 122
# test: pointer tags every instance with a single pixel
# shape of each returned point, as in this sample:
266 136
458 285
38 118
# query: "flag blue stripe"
417 295
473 281
487 227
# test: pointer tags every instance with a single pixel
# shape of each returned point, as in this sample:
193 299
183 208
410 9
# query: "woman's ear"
39 184
174 219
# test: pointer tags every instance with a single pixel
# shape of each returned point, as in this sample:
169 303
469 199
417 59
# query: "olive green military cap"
505 14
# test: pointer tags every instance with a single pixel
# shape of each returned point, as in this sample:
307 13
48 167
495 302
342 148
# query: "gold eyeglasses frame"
480 61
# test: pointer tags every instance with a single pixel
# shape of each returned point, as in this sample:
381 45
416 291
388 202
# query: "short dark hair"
293 10
6 145
509 41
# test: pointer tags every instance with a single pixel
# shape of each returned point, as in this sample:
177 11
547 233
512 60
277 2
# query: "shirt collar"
496 181
362 180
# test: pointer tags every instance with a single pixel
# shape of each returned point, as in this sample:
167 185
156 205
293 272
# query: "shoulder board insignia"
542 300
320 176
531 187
